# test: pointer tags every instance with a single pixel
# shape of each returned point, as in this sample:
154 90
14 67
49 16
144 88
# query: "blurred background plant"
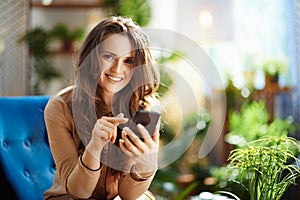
275 67
251 122
43 71
66 35
138 10
38 41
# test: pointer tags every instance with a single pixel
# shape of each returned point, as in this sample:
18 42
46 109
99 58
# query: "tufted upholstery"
25 157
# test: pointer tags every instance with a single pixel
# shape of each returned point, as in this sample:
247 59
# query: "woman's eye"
108 57
129 61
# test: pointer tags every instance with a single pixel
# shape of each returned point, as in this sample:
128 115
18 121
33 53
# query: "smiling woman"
114 78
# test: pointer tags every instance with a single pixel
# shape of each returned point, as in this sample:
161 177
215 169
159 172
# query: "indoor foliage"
269 164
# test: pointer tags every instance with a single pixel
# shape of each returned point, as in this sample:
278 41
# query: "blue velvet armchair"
25 158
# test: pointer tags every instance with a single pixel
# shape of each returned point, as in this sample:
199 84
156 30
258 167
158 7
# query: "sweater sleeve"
72 173
137 188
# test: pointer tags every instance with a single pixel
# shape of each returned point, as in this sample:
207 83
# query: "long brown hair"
87 100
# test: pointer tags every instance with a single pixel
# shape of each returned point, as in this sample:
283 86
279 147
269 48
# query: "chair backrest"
25 155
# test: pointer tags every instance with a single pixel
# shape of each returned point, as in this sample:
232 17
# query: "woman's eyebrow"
128 55
109 53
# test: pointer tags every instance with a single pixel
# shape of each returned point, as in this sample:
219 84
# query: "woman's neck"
107 100
105 96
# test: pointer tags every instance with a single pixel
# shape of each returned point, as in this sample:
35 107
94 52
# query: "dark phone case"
148 119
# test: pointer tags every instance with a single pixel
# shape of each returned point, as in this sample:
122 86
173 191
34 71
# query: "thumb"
120 115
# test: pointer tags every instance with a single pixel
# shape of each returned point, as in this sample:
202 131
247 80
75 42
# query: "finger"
105 121
120 115
114 135
107 125
101 133
117 120
114 120
107 129
156 135
132 143
135 140
144 133
124 148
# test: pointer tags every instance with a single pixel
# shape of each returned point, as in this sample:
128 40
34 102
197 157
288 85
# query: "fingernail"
124 132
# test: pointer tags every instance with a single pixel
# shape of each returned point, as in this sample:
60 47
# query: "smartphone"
148 119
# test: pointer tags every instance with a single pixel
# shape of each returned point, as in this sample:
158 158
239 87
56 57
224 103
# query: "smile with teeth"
114 78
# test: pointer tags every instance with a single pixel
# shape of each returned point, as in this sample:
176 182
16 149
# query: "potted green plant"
66 35
269 165
263 157
37 40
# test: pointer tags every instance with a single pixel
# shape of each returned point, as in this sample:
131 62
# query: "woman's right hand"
105 130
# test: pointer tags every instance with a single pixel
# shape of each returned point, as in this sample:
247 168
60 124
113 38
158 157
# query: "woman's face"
116 63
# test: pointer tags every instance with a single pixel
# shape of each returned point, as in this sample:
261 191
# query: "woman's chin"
113 90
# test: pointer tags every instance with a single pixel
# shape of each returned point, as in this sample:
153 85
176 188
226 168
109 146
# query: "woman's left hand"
144 151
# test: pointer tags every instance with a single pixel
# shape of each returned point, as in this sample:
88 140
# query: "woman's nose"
117 65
